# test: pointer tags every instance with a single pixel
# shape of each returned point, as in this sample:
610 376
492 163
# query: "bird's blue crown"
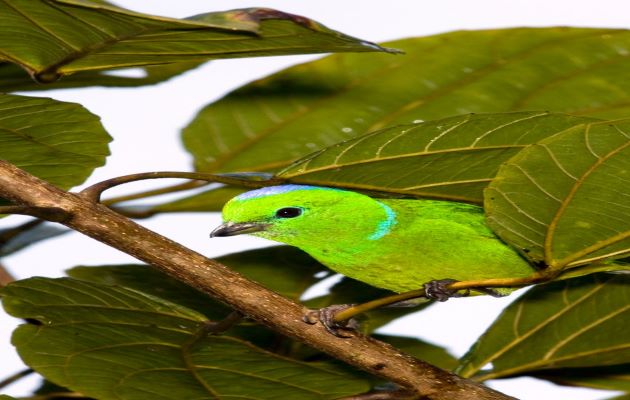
273 190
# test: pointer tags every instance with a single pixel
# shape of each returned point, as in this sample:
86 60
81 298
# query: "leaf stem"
15 377
94 192
156 192
538 277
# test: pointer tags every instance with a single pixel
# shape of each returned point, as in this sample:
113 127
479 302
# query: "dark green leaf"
616 377
53 38
148 280
454 158
14 78
284 269
565 200
59 142
112 342
572 323
270 123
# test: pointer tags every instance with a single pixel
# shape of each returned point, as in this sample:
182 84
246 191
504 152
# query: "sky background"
145 123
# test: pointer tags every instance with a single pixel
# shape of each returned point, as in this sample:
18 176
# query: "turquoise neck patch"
385 226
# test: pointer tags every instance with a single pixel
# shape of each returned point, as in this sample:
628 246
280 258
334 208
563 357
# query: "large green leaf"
56 141
284 269
453 158
573 323
270 123
52 38
117 343
566 199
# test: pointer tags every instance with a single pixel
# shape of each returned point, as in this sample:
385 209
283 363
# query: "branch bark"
266 307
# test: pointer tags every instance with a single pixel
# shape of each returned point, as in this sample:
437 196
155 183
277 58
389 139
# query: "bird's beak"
237 228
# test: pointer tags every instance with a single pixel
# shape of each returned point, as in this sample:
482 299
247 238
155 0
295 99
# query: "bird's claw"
438 290
326 316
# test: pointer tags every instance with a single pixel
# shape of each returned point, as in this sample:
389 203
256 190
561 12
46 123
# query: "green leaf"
616 377
565 200
53 38
112 342
453 158
283 269
271 122
148 280
59 142
286 270
14 78
572 323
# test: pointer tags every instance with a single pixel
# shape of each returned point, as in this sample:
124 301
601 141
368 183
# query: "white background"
145 123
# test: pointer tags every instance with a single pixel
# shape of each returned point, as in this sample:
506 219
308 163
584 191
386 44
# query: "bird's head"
304 215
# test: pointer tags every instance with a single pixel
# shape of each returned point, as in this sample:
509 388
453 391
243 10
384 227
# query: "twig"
15 377
10 233
217 328
156 192
251 299
537 277
94 192
5 277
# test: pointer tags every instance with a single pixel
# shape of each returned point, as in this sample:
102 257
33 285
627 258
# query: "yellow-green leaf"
53 38
566 200
573 323
117 343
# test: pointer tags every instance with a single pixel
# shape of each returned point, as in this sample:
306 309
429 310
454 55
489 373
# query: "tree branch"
264 306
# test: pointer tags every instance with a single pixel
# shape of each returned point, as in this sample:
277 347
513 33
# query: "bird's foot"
438 290
326 316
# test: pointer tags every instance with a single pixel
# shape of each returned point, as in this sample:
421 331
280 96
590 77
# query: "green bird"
394 244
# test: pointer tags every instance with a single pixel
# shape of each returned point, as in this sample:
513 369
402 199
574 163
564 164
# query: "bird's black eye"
289 212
